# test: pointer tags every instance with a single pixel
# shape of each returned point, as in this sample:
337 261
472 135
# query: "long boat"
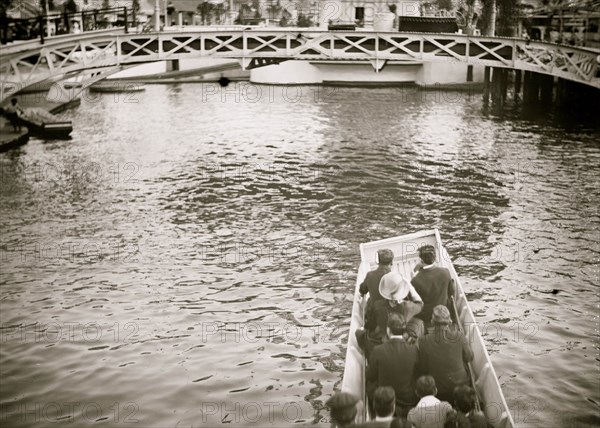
483 375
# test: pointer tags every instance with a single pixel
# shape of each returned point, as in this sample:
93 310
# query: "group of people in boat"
414 352
429 412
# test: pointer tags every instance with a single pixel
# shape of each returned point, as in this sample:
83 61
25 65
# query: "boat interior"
406 257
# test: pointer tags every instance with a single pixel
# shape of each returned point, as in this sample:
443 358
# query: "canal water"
189 257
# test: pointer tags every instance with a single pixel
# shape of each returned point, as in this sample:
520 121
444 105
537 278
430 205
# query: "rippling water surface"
189 258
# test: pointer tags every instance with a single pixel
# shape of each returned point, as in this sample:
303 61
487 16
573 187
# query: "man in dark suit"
433 283
394 363
371 284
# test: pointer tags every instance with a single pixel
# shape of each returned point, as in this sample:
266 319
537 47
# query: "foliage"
106 4
508 17
467 16
204 9
444 4
274 10
4 5
70 6
304 21
488 12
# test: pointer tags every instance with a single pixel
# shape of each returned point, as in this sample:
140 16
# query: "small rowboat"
44 124
406 257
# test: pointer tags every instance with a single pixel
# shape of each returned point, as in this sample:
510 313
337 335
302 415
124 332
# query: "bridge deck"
24 64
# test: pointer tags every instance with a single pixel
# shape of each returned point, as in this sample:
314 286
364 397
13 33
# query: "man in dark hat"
433 283
342 407
394 363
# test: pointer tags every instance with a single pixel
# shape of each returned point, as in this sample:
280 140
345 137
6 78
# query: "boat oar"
469 368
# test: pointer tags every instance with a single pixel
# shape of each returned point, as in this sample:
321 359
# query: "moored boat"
44 124
406 257
116 87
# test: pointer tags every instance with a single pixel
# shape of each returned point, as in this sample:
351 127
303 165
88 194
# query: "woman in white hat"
399 296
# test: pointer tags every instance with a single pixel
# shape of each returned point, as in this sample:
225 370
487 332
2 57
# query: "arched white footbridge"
26 63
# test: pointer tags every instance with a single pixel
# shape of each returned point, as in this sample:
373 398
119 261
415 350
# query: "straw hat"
394 286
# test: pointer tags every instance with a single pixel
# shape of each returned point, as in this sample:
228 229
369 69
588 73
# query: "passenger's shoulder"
442 269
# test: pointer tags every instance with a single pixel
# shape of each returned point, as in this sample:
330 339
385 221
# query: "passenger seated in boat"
464 414
433 283
394 363
429 411
384 403
400 297
444 353
371 285
342 408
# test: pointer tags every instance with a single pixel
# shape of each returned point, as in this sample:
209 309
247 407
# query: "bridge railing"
43 26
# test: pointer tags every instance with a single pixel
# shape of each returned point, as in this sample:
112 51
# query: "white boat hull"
406 257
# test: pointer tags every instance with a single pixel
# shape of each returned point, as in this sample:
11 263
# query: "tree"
105 4
466 10
304 21
444 4
218 10
4 6
274 10
135 8
70 6
204 10
507 17
489 17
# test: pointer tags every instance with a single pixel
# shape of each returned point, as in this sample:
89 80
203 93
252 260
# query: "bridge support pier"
503 84
546 89
486 85
499 84
495 86
173 65
531 88
518 76
560 92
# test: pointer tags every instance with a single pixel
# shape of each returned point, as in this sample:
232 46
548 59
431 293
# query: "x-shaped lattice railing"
28 63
